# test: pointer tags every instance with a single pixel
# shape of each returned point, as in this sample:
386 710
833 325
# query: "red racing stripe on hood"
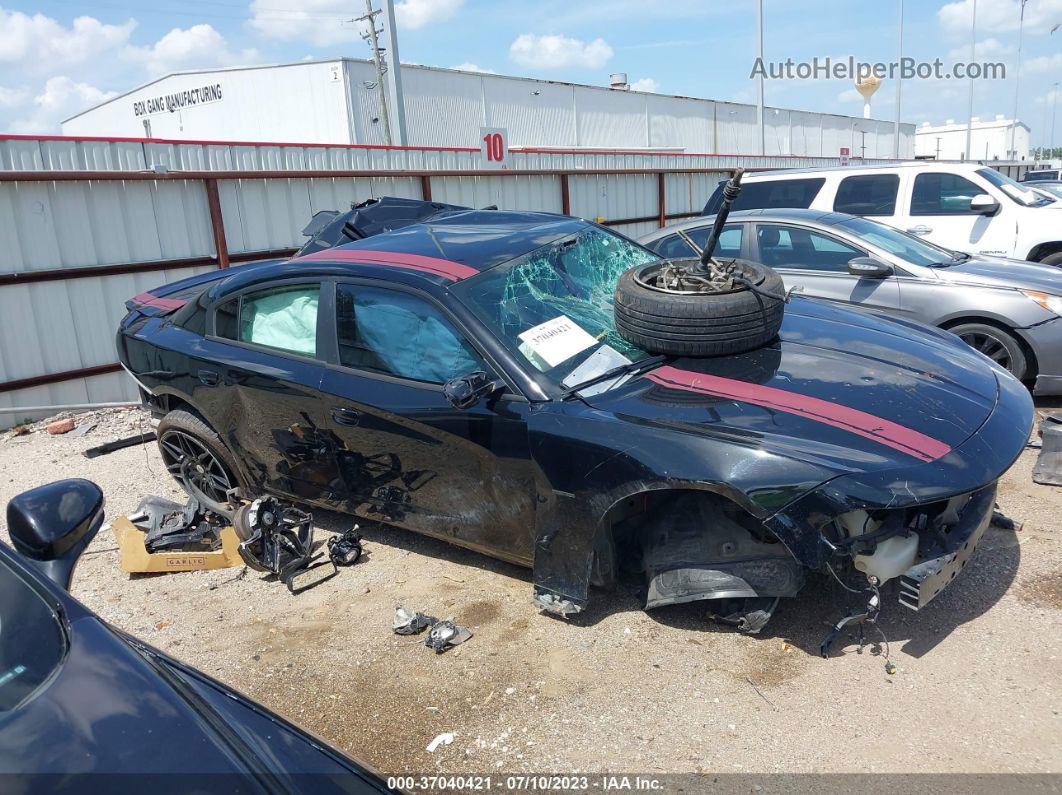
453 271
890 434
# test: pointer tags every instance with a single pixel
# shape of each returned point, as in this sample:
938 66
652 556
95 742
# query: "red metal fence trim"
54 378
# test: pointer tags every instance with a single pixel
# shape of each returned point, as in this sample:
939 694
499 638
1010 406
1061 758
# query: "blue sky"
59 56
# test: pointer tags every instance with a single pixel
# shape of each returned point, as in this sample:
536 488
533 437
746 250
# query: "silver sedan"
1010 310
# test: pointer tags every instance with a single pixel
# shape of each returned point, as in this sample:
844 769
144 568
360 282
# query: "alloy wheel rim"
196 468
990 346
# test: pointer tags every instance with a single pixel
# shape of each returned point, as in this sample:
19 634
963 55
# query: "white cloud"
60 98
555 52
322 22
471 67
1000 16
983 50
13 97
646 84
419 13
199 46
1044 63
40 43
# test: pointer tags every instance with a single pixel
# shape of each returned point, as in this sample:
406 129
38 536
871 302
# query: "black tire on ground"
996 344
699 325
1052 259
197 459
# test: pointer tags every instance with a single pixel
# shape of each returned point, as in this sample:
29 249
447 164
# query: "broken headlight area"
925 546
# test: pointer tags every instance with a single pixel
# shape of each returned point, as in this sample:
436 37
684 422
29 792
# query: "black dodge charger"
462 377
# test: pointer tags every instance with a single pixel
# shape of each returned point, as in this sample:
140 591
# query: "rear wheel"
194 455
996 344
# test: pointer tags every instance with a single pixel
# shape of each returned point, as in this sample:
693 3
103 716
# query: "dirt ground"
617 689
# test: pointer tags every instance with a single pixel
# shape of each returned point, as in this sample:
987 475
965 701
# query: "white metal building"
336 102
989 140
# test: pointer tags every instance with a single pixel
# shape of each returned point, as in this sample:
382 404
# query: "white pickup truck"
961 206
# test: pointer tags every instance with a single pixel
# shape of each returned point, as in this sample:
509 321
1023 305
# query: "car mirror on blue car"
52 525
467 390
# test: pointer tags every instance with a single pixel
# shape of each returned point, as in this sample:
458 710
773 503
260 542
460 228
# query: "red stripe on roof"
890 434
147 299
454 271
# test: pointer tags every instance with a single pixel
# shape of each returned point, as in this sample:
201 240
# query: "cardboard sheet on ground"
554 341
136 558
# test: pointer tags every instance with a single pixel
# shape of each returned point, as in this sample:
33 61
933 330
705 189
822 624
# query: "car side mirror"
869 268
51 525
983 204
465 391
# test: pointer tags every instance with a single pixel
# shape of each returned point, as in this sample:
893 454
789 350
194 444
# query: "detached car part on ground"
464 377
80 698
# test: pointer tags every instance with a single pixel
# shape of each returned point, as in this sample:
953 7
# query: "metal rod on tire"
730 192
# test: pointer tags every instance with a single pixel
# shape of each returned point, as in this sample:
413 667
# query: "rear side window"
675 247
284 318
798 193
942 194
867 194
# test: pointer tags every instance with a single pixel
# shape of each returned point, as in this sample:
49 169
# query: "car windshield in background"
32 643
553 307
1020 194
907 247
1053 188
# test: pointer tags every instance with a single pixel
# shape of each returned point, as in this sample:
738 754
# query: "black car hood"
847 390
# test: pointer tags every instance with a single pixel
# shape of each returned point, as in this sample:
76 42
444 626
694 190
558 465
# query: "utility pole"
394 73
899 83
862 144
1054 115
370 17
1017 83
759 101
969 116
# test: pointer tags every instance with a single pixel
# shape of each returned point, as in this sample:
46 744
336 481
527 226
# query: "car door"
261 386
939 209
404 454
817 263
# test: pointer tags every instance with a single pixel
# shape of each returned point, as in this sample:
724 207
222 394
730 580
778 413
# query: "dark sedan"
462 377
86 708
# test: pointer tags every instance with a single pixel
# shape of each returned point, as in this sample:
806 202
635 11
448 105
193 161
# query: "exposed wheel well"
1032 367
1041 250
618 548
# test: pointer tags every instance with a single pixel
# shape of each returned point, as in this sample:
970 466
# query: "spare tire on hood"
684 322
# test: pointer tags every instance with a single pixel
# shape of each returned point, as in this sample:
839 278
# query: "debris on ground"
1048 468
277 537
345 550
119 444
165 536
60 426
82 429
445 635
410 622
442 739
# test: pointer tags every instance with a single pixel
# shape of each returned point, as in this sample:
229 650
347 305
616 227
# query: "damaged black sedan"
463 377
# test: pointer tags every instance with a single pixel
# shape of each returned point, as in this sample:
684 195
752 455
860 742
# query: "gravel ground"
616 689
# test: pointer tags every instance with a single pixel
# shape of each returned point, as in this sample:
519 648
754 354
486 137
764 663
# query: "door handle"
209 377
920 230
342 416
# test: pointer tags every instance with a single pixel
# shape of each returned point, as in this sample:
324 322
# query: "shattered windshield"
553 307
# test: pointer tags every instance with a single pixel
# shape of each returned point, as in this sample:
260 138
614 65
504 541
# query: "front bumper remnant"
921 583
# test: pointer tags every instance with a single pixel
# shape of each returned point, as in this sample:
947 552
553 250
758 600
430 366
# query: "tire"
996 344
714 324
1052 259
197 459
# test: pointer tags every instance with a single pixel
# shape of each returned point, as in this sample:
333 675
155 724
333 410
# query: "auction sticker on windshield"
554 341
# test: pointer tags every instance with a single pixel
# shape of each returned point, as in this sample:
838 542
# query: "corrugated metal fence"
87 223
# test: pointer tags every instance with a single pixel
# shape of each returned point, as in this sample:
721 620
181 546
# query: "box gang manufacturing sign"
178 100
